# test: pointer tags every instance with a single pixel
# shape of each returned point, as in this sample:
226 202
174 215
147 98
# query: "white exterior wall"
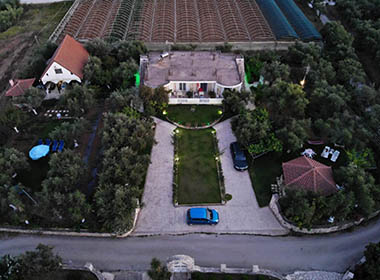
66 76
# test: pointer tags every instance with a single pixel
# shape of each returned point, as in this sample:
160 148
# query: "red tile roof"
310 175
71 55
20 87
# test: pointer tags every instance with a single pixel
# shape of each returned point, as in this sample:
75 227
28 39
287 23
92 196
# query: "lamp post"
303 81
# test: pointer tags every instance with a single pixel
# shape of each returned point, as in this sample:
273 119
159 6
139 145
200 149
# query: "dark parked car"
238 156
202 216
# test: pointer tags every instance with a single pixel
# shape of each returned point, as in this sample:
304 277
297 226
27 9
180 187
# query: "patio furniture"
326 152
309 153
55 146
335 156
40 142
48 141
61 144
38 152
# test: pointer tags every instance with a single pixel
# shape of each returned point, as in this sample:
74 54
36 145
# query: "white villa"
66 65
193 77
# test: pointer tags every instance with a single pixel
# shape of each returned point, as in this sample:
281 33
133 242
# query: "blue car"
202 216
238 157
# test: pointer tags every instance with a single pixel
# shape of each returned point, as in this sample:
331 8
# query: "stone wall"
275 207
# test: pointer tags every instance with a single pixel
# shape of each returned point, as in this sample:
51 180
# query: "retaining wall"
275 207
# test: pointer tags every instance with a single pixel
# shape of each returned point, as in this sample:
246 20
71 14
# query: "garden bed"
195 115
196 171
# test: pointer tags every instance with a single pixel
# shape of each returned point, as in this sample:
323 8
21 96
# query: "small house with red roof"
309 175
67 63
19 87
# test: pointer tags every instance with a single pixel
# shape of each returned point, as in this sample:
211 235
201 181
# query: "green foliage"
11 161
158 271
68 131
251 127
33 97
226 47
127 140
253 66
268 144
155 100
370 269
30 264
122 98
363 185
112 65
12 117
37 62
10 13
78 99
60 201
307 209
236 101
275 70
285 101
362 159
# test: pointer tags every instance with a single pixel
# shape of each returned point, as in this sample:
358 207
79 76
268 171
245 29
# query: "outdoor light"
213 131
177 131
164 112
176 158
302 83
220 112
216 158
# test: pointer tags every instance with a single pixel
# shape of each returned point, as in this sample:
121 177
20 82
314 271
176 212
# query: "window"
58 71
182 86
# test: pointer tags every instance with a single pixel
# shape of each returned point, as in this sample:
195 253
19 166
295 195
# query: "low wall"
274 206
196 101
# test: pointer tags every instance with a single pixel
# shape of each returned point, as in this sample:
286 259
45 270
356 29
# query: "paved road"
283 254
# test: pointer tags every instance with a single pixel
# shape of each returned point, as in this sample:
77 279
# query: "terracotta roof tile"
20 87
71 55
308 174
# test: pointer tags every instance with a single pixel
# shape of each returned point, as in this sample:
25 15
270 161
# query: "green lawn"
263 172
226 276
197 173
200 115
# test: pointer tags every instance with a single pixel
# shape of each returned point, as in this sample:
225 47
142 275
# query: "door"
204 87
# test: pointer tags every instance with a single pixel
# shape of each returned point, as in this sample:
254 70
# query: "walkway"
240 215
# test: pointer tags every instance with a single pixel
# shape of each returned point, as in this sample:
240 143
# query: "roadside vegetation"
370 269
41 264
227 276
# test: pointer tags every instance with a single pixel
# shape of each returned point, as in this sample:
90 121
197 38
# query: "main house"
193 77
66 65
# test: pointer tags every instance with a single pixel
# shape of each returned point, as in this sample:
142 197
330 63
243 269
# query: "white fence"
196 101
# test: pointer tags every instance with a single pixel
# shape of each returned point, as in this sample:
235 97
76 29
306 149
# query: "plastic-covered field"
304 28
187 21
276 19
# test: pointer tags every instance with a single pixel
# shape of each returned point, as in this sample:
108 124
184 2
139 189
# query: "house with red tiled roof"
310 175
19 87
67 63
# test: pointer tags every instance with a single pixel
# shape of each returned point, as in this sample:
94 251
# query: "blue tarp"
39 151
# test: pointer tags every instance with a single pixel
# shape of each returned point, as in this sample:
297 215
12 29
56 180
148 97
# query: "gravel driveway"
240 215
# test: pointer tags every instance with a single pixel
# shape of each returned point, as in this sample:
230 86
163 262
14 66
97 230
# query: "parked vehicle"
238 157
202 216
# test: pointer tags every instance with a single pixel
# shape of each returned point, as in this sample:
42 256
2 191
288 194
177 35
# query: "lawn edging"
275 208
69 232
195 127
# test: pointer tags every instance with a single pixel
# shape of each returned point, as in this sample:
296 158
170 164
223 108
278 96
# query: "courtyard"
242 214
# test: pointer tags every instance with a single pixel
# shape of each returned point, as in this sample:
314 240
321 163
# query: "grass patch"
195 115
226 276
42 18
197 173
263 172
